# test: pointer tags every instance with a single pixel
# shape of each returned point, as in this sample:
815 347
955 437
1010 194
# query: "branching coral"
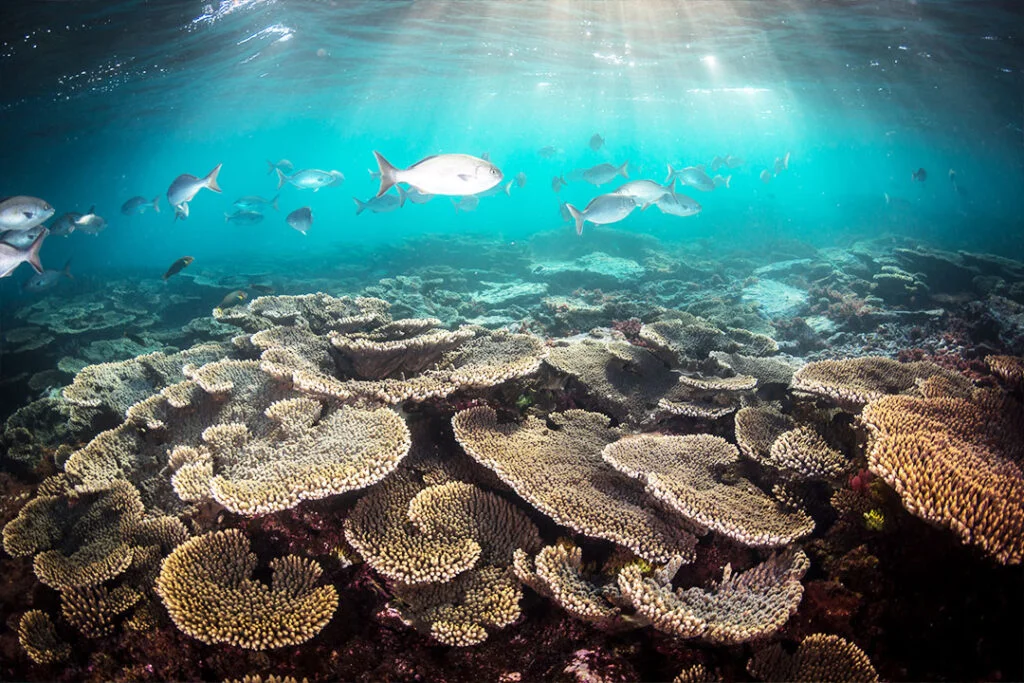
39 639
819 658
207 587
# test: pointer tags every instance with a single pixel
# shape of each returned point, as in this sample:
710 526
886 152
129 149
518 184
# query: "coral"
820 657
853 383
318 312
757 428
739 608
206 586
92 610
684 473
775 440
379 354
39 639
685 340
955 462
696 673
775 299
558 469
765 370
1010 369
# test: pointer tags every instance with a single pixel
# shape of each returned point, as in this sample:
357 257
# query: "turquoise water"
114 100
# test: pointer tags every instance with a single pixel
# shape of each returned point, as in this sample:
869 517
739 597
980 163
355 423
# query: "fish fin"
388 173
281 178
465 176
576 216
66 270
645 206
728 182
402 194
671 174
227 217
211 178
360 206
888 199
271 167
624 170
33 251
274 202
672 186
92 210
508 189
156 203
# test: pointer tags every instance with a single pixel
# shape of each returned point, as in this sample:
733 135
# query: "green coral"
874 520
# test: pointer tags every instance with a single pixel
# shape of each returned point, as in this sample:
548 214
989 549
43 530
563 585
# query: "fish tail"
271 166
156 203
402 194
388 173
624 170
33 251
360 206
211 178
281 178
274 202
576 216
728 182
66 270
227 217
508 188
671 174
672 186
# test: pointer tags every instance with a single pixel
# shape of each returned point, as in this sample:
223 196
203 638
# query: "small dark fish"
178 266
596 142
262 290
255 203
233 299
65 224
48 279
557 183
301 219
243 217
139 204
548 152
919 175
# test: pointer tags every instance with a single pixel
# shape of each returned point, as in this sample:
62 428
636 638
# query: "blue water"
103 101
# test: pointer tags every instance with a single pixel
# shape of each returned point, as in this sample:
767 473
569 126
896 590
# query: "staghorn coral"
853 383
557 468
77 541
414 533
819 658
696 673
206 586
683 473
39 639
739 608
1009 368
955 462
94 609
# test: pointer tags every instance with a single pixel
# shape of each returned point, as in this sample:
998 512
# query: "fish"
766 176
605 173
185 187
548 152
262 290
243 217
563 211
48 279
22 238
728 161
65 224
694 176
720 181
497 189
454 175
178 266
520 180
952 179
23 213
91 223
385 203
139 204
282 165
676 204
896 202
645 192
602 210
920 175
232 299
255 203
415 196
11 256
301 219
311 179
557 183
782 164
466 203
596 141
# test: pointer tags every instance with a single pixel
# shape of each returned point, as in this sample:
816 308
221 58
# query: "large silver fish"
243 217
23 213
185 187
644 192
311 179
605 173
453 175
11 256
466 203
385 203
22 238
694 176
678 205
301 219
91 223
602 210
139 204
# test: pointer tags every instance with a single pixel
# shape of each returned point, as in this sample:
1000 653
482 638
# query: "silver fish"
385 203
243 217
781 164
22 213
11 257
91 223
602 210
311 179
563 211
766 176
596 141
185 187
605 173
694 176
721 181
678 205
48 279
301 219
65 224
139 204
282 165
466 203
548 152
22 238
415 196
557 183
644 192
453 175
255 203
729 161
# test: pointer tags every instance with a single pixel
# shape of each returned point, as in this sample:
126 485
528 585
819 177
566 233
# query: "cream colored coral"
39 639
820 658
